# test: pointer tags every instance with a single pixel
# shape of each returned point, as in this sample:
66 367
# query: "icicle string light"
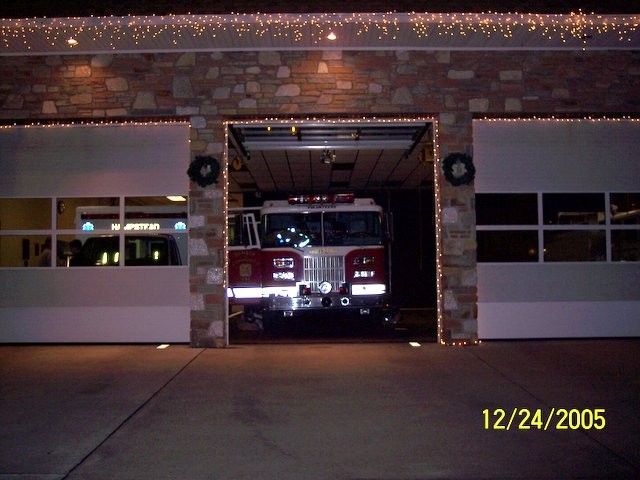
576 30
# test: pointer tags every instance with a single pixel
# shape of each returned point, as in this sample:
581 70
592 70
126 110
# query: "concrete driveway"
321 411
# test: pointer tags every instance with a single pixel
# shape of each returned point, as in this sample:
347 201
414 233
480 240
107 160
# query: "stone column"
207 243
457 298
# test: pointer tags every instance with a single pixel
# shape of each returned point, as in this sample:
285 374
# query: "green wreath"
458 169
204 170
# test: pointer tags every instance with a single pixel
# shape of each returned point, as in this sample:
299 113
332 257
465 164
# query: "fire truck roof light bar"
324 198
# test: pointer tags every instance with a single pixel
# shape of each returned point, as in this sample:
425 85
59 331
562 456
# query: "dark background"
83 8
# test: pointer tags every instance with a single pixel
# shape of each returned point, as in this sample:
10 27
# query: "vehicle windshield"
139 250
299 230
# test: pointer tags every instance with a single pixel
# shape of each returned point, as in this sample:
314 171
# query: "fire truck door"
245 265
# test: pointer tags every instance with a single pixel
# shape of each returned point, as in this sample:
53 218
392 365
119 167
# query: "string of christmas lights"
321 29
92 123
552 118
437 165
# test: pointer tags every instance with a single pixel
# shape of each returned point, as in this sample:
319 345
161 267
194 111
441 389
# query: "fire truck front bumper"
362 303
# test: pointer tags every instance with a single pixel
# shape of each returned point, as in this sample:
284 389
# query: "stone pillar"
457 296
207 242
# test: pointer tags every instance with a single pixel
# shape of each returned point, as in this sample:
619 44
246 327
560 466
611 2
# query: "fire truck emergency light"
283 262
364 274
368 260
305 290
284 276
324 198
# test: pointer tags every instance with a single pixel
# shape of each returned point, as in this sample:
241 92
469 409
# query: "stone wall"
210 88
314 82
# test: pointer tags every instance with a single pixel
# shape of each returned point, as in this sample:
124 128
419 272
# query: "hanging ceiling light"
328 156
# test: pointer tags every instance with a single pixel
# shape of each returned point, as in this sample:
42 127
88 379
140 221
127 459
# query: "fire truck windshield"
299 230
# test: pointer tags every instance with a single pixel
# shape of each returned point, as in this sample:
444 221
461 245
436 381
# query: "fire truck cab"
310 253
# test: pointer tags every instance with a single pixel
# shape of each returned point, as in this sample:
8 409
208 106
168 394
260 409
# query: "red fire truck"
310 253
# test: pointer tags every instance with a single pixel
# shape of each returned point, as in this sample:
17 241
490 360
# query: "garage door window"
558 227
625 233
507 246
93 231
25 231
574 246
569 221
507 209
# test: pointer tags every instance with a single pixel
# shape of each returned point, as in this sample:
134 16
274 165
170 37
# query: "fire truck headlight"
283 276
370 289
283 262
365 260
324 287
364 274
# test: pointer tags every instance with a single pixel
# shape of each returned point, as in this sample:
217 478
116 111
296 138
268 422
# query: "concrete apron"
317 411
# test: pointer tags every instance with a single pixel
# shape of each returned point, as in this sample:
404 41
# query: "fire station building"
524 129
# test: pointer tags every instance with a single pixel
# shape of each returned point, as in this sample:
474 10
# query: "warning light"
322 198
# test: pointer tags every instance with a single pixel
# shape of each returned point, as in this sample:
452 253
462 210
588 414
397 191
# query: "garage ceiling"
328 157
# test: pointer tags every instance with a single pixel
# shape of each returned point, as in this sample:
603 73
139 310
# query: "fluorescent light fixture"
162 346
415 344
176 198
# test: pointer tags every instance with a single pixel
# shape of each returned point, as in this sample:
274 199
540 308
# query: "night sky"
69 8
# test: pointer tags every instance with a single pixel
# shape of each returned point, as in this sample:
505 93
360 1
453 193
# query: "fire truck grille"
324 269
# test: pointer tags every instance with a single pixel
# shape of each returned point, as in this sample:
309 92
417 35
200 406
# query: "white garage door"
106 186
558 226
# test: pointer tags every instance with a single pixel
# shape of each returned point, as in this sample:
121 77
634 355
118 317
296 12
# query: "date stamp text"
540 419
